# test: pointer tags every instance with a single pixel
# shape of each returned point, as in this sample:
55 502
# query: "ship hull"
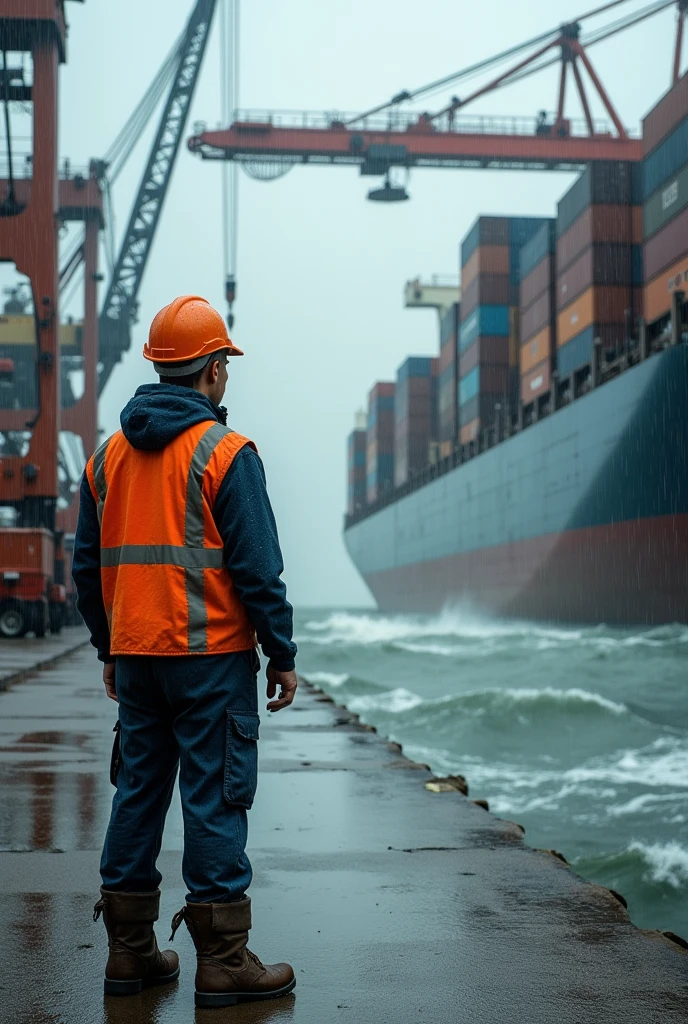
582 517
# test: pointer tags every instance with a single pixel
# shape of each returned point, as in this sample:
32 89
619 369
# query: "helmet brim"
173 368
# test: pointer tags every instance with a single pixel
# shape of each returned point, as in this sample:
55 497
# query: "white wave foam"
665 862
333 679
367 629
663 763
391 701
573 695
475 634
493 699
645 802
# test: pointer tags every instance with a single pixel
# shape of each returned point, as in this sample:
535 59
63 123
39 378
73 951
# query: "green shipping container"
666 203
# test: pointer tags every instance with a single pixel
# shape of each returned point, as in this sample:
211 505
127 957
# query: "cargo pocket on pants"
241 759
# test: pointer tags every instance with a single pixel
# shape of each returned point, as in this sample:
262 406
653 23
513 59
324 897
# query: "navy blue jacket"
153 418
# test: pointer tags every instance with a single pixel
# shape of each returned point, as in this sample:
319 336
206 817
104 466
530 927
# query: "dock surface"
19 657
394 904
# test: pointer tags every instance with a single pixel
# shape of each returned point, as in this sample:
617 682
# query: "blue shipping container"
383 469
665 160
415 366
541 245
469 386
384 403
447 376
489 321
522 229
576 352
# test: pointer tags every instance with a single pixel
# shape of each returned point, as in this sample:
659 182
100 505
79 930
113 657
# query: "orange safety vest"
165 585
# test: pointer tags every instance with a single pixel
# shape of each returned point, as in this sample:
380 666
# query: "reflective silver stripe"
194 536
198 616
99 476
162 554
194 529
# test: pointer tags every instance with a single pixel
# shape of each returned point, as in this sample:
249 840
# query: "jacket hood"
158 413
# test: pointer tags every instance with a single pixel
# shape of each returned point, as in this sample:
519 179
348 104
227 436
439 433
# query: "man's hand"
109 680
287 686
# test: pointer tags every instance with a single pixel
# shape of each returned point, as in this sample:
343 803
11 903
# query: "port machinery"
33 574
390 136
34 560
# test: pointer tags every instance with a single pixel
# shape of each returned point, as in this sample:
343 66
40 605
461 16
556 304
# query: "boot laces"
98 909
257 961
176 922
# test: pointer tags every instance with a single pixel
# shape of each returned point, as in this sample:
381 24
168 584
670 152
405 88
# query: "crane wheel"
13 620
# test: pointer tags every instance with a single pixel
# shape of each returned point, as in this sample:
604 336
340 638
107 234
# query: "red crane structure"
268 144
38 499
32 590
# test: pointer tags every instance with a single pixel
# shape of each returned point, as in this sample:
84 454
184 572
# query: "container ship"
538 466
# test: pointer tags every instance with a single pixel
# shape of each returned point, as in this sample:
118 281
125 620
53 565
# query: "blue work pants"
197 714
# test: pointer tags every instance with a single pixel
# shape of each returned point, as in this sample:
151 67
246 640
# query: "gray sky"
320 270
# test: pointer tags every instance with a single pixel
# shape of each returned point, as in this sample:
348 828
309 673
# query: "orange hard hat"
184 335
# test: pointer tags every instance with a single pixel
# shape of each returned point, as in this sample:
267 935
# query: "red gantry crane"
269 144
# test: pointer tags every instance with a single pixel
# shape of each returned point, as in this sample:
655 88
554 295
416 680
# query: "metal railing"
410 120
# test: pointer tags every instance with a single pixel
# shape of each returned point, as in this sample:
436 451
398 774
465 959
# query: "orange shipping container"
469 432
596 306
536 350
487 259
536 383
657 292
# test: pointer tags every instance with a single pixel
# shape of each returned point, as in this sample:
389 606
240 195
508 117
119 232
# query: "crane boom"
481 142
120 306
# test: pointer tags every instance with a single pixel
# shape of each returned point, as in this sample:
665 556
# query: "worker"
177 566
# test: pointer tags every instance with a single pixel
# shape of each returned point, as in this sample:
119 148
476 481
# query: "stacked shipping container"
537 317
489 332
380 440
665 195
599 266
415 414
448 431
357 445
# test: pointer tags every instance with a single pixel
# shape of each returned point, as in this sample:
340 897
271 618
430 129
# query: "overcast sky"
320 270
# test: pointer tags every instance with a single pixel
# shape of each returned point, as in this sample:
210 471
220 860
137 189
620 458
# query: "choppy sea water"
581 735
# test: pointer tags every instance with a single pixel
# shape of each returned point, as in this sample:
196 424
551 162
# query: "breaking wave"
493 704
655 864
579 733
455 633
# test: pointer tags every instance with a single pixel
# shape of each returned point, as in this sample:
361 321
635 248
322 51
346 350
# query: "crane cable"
229 82
117 156
598 37
121 148
474 69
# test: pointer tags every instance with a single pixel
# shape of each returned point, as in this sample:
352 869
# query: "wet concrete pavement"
393 903
18 657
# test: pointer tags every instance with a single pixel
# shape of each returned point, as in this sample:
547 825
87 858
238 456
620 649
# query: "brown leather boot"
134 959
228 972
